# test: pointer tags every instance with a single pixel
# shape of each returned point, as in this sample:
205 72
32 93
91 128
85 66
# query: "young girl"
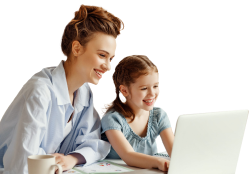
132 127
54 113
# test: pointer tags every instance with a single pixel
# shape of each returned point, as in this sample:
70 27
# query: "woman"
54 112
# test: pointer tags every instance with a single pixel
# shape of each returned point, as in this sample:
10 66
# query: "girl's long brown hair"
87 21
126 72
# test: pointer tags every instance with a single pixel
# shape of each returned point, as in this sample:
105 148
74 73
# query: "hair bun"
80 15
88 20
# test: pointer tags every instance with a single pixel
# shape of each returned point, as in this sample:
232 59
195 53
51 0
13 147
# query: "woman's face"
94 59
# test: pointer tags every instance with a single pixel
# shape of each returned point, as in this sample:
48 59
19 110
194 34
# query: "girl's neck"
138 111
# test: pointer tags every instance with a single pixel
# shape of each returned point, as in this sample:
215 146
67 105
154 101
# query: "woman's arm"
167 137
132 158
30 111
86 144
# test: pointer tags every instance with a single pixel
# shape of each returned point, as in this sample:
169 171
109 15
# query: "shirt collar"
83 94
60 85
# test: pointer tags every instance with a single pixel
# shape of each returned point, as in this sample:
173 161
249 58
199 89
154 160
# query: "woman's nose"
106 66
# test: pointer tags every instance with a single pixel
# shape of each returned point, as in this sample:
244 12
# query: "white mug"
42 164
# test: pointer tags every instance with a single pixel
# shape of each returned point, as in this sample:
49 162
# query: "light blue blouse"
158 121
34 122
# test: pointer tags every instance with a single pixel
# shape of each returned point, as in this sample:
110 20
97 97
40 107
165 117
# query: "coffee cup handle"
60 170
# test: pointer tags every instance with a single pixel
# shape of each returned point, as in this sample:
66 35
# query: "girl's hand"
67 162
163 164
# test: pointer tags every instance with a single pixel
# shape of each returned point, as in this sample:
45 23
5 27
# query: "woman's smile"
99 73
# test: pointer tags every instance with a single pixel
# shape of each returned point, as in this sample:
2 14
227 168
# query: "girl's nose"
151 92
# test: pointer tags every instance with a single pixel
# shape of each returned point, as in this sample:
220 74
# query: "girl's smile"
149 102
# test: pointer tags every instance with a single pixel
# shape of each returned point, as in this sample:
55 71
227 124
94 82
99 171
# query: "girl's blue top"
158 121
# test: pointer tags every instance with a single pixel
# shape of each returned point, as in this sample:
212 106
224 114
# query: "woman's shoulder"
36 89
39 85
42 77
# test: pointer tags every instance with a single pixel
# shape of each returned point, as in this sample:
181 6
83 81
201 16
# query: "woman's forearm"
140 160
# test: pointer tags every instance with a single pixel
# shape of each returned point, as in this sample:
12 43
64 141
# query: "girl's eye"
146 88
143 89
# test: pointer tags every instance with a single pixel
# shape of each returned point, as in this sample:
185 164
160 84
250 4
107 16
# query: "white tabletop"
138 170
135 169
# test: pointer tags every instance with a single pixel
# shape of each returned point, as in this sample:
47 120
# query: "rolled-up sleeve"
29 131
90 145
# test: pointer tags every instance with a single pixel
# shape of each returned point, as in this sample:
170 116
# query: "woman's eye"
111 59
102 55
143 89
155 86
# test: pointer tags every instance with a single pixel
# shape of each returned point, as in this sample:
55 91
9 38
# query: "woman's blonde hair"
87 21
126 72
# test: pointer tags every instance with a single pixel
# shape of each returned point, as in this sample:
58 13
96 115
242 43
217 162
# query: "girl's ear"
124 90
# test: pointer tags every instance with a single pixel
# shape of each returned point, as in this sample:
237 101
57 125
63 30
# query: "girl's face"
94 59
144 92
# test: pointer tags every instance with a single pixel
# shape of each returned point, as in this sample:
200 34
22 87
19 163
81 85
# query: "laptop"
208 143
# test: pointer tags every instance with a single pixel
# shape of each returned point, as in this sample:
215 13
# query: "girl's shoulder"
159 113
113 115
112 120
160 120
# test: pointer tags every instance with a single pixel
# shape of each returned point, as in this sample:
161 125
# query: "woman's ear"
76 48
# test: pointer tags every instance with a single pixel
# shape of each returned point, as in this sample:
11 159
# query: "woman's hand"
67 162
163 164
